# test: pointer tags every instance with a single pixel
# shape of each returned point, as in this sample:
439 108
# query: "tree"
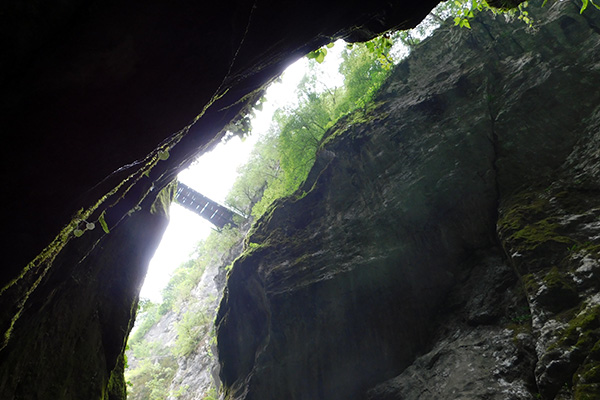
283 158
262 168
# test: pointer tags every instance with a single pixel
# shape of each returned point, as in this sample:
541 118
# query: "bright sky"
185 228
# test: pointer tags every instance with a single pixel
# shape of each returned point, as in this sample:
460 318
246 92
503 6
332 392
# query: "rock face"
163 364
110 85
446 243
104 104
72 337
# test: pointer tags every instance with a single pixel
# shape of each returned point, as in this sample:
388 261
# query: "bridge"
208 209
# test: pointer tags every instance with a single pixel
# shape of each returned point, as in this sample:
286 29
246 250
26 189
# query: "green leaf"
583 6
163 155
457 21
330 45
544 3
321 56
595 5
103 223
78 232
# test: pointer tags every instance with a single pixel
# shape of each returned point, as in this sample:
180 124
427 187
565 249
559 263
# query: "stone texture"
390 265
92 94
484 348
72 336
91 88
193 375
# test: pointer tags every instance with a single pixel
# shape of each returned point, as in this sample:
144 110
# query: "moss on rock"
586 381
558 292
117 389
530 284
534 235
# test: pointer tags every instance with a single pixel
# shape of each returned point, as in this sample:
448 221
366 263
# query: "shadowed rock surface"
103 104
71 338
90 88
445 245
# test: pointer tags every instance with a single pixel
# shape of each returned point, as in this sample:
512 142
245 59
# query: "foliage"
278 165
192 327
154 369
211 394
153 365
208 252
148 315
319 54
262 168
464 10
152 378
181 391
283 157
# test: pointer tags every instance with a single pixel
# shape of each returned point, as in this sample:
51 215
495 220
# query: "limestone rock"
93 96
363 286
72 337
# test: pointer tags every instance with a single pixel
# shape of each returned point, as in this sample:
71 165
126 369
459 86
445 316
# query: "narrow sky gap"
214 173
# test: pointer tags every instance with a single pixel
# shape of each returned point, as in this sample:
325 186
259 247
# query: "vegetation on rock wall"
549 233
154 364
278 165
281 163
465 10
282 158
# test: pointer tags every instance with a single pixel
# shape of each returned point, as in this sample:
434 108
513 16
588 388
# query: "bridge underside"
208 209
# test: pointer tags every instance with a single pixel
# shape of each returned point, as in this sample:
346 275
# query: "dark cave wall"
70 338
388 278
92 92
114 80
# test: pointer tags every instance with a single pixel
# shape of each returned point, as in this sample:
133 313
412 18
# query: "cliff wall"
103 105
71 339
445 244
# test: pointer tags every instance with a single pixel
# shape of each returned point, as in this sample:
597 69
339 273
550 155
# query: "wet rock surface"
445 244
94 96
73 336
484 348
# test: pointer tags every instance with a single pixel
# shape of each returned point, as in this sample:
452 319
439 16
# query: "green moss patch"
583 330
530 283
117 389
556 279
523 223
522 210
586 381
534 235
